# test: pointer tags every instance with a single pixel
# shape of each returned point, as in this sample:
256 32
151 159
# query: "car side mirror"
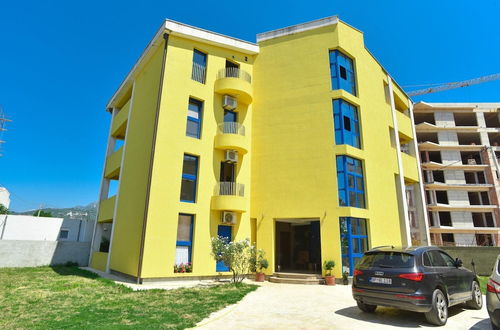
458 263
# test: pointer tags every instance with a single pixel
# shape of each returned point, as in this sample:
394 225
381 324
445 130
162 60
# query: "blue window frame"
199 66
346 122
195 110
189 178
184 244
353 241
342 72
350 182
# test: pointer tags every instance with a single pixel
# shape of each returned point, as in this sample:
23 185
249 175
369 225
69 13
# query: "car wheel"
438 315
477 297
367 308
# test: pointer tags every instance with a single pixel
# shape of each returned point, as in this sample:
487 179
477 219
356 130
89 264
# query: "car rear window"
387 260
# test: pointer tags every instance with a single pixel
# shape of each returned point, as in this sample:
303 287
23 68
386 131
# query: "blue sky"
60 61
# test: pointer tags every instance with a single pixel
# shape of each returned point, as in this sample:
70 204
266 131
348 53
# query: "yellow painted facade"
286 157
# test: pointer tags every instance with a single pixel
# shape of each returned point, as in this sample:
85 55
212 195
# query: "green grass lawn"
483 280
68 297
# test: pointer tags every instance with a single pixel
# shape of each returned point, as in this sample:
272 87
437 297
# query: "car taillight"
357 272
417 277
493 286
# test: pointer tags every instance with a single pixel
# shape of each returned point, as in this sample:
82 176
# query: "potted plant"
259 275
260 263
329 278
345 278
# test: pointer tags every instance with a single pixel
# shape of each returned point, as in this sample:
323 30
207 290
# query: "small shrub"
238 256
329 265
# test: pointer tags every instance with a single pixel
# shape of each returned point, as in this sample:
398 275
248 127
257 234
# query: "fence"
42 253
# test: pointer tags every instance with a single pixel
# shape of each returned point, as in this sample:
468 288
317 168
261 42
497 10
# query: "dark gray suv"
420 279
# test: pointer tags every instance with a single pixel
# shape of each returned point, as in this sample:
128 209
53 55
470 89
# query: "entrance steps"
296 278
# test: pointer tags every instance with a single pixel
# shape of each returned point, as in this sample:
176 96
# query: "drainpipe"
151 160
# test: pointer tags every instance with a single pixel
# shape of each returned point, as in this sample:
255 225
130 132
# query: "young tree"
3 209
238 256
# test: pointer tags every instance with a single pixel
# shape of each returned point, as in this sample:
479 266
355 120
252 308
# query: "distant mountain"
86 212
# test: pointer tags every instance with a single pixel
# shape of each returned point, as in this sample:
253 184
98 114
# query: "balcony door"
232 69
227 172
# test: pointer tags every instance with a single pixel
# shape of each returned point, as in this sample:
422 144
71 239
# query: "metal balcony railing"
232 128
199 73
234 73
229 189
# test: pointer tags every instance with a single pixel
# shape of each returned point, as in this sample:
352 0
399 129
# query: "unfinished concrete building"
459 149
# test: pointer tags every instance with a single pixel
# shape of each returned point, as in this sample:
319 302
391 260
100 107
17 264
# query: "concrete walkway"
285 306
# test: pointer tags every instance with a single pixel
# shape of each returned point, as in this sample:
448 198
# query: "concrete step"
303 276
291 280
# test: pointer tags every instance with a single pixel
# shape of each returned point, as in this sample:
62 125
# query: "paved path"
285 306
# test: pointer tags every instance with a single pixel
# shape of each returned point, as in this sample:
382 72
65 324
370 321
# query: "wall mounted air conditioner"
228 218
229 102
231 156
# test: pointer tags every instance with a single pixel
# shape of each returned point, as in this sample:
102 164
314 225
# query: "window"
184 245
199 66
353 241
346 122
350 182
63 234
436 258
193 128
342 72
189 177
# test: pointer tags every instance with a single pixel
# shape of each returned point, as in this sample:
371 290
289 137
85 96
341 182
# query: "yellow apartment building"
301 142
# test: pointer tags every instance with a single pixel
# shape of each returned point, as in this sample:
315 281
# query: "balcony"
106 209
231 136
404 124
236 82
410 168
113 163
229 196
119 124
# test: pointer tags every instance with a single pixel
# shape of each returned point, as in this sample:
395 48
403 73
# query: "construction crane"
3 121
454 85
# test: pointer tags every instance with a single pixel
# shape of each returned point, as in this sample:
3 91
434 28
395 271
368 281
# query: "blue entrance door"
223 231
354 241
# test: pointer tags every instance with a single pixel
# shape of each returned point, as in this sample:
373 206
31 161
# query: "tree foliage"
42 214
3 209
239 256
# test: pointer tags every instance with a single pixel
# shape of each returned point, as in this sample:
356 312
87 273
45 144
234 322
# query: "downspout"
151 160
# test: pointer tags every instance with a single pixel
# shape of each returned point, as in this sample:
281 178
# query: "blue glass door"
354 241
223 231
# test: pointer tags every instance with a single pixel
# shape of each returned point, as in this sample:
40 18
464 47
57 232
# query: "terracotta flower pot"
330 280
260 277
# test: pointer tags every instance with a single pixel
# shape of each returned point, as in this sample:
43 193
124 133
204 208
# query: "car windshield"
387 260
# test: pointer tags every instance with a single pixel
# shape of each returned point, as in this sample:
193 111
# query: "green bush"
329 265
238 256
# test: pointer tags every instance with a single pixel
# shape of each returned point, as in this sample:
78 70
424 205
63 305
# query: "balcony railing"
199 73
229 189
234 73
232 128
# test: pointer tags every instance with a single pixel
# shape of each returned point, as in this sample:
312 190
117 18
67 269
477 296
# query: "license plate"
381 280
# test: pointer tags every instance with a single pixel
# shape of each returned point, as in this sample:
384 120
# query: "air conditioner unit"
228 218
231 156
229 102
